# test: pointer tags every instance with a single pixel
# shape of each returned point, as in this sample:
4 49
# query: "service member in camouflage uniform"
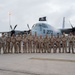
18 40
24 43
13 44
35 45
51 42
0 44
8 41
71 42
46 44
3 43
64 43
40 44
30 39
58 44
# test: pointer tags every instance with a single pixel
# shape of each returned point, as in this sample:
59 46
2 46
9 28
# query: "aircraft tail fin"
63 26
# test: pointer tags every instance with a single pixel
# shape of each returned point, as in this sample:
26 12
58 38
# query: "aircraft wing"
67 31
6 32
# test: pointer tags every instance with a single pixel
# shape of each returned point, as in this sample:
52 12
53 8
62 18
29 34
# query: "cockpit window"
40 24
44 25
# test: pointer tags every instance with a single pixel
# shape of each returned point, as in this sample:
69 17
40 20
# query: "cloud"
25 12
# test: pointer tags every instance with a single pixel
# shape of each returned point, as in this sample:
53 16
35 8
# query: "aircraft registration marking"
49 31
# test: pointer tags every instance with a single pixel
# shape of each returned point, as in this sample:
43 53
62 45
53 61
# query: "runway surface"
37 64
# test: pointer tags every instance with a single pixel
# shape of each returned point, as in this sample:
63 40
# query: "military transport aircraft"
42 29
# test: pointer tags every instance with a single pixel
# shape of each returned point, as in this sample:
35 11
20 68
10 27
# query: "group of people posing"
37 44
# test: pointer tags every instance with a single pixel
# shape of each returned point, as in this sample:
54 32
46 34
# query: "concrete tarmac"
37 64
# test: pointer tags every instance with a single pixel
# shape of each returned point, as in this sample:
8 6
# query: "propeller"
71 24
11 26
28 26
13 30
15 27
73 28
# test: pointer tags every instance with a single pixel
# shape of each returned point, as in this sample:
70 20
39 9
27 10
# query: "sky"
23 12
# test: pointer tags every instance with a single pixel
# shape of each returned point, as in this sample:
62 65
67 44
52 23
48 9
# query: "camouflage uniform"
74 43
18 40
0 44
71 43
13 44
3 43
8 41
24 43
64 43
37 46
41 44
36 41
30 39
51 40
33 44
46 44
58 40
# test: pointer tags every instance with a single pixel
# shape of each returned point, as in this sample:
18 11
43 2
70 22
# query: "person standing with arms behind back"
3 43
71 42
30 39
64 43
58 40
24 43
8 41
40 44
46 44
0 44
13 44
52 40
35 45
18 40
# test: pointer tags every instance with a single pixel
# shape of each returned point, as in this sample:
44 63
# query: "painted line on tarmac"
18 71
48 59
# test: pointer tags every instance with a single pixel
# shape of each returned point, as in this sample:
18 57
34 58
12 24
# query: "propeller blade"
12 32
28 26
15 26
71 24
10 26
